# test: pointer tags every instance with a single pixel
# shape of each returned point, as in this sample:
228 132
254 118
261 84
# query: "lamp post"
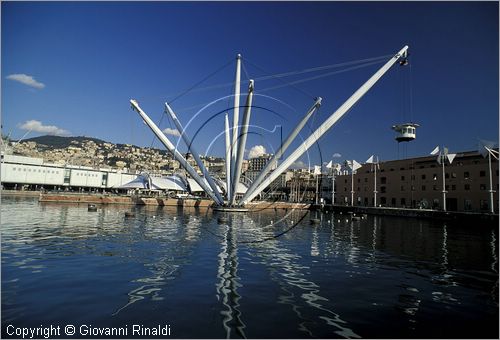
335 168
495 154
371 160
354 166
441 159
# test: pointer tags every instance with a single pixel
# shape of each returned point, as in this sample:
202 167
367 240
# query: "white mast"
195 154
242 142
333 186
493 153
177 155
443 159
228 157
348 104
236 114
282 148
375 165
352 186
375 185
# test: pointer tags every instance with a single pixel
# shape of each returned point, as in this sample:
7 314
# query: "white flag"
451 157
329 165
370 160
435 151
317 170
355 165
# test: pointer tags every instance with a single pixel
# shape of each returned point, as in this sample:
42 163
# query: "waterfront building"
18 172
258 163
418 183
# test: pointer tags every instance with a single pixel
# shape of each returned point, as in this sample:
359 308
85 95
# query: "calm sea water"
269 274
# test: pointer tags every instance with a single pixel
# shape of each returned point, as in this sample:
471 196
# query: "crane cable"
281 75
189 90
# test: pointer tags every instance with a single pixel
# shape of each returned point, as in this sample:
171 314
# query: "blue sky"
73 67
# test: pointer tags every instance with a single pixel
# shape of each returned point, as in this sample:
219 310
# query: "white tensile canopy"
171 183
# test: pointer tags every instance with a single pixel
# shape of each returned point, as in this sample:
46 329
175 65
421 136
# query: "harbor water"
265 274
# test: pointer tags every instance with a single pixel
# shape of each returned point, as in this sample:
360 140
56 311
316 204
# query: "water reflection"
228 280
494 265
287 270
266 274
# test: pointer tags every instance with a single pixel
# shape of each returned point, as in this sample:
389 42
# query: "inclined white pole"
177 155
194 152
282 148
348 104
242 141
236 114
228 158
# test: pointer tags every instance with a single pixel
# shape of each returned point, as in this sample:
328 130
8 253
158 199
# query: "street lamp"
353 165
335 168
487 148
371 160
441 159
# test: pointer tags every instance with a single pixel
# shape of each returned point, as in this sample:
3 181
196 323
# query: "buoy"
92 207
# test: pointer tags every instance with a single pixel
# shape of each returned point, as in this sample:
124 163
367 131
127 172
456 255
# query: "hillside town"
413 182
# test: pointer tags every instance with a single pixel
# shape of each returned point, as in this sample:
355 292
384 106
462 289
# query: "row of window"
34 170
86 175
447 175
435 187
51 172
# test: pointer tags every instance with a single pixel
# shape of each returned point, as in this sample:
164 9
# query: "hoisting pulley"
404 60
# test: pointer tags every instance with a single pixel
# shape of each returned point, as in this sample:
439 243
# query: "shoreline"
135 200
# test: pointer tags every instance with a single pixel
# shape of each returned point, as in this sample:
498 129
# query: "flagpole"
317 176
352 185
375 186
333 186
492 208
443 159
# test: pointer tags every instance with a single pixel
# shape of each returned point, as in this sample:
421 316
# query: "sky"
70 68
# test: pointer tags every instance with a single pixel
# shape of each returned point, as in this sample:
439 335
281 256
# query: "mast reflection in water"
270 274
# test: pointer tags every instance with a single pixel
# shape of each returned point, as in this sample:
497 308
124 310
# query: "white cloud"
298 165
336 155
172 132
37 126
26 80
256 151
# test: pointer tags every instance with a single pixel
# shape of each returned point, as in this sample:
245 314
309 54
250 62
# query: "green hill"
59 142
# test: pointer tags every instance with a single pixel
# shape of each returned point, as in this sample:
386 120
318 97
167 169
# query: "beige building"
418 183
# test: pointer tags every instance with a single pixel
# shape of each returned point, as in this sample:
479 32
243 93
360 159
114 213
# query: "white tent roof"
195 187
157 183
240 189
